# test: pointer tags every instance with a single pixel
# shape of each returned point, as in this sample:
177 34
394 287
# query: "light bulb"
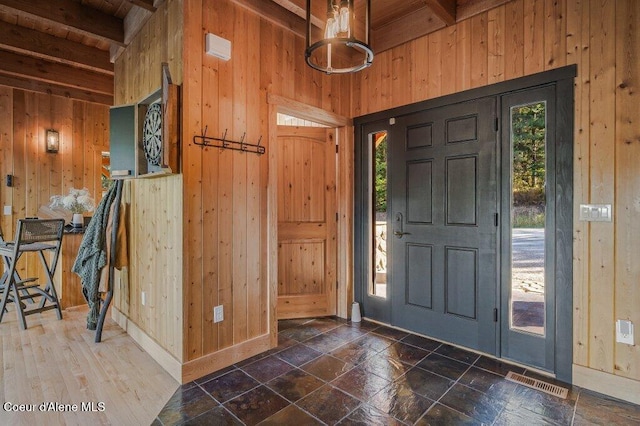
331 29
344 17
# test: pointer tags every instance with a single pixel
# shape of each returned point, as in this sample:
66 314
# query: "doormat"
545 387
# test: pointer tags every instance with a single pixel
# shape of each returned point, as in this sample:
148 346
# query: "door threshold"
493 357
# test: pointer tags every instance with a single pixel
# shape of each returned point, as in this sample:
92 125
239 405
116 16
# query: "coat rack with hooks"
224 143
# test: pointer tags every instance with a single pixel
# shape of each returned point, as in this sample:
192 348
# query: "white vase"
77 221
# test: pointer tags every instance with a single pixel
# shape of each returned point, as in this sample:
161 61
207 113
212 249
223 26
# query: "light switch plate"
7 211
624 332
218 313
595 212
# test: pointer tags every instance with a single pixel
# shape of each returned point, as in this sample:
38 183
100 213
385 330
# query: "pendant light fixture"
339 51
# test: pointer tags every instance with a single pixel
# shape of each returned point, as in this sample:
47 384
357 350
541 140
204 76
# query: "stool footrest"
26 280
37 310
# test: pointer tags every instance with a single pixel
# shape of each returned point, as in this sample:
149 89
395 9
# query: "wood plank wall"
154 204
225 193
84 134
523 37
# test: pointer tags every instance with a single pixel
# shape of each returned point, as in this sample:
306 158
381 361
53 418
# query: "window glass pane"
379 208
528 205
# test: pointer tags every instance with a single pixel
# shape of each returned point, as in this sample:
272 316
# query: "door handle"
399 232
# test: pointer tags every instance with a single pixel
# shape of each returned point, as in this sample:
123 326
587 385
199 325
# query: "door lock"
399 232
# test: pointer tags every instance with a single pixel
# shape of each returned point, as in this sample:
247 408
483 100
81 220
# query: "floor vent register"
540 385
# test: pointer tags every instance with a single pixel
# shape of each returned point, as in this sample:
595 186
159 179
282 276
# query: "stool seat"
32 236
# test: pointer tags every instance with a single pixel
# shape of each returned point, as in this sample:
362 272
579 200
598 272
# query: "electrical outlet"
143 298
218 313
624 332
7 210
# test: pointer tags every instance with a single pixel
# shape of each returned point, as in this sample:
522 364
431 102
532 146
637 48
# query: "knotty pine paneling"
627 181
225 192
154 205
523 37
38 175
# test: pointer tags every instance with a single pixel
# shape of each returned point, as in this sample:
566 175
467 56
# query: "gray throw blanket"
92 256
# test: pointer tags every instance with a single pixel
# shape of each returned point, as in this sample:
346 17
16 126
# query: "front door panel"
444 233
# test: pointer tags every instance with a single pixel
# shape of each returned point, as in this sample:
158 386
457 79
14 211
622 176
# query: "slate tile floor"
329 371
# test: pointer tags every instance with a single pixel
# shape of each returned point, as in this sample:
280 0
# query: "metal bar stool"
35 236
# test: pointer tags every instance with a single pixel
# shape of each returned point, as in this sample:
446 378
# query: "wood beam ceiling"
30 42
443 9
416 24
55 73
299 7
393 22
69 15
274 13
468 8
52 89
144 4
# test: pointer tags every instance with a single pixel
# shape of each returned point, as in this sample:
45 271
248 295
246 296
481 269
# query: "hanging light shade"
338 50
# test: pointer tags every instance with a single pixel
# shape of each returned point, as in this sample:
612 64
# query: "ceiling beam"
443 9
468 8
144 4
409 27
276 14
69 15
299 7
133 23
52 89
55 73
34 43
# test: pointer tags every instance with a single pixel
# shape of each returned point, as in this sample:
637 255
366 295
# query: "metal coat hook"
224 143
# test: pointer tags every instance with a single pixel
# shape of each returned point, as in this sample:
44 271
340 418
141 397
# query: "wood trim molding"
345 187
272 224
308 112
344 193
608 384
209 363
157 352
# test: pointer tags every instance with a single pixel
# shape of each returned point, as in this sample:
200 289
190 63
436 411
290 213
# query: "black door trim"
563 79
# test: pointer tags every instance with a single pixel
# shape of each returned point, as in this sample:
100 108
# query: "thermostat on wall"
218 47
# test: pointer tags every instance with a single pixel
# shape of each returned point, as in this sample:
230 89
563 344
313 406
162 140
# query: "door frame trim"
563 79
344 200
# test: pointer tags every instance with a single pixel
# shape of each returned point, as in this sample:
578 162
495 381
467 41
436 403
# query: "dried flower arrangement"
78 201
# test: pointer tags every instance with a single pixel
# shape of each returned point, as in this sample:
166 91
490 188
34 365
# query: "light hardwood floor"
58 361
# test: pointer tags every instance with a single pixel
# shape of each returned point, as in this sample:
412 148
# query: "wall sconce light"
53 141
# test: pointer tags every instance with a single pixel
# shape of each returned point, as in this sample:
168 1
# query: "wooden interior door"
306 222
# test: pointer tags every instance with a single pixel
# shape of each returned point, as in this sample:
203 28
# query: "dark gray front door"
443 235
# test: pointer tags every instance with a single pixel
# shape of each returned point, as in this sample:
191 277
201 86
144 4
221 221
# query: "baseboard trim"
606 383
157 352
206 364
